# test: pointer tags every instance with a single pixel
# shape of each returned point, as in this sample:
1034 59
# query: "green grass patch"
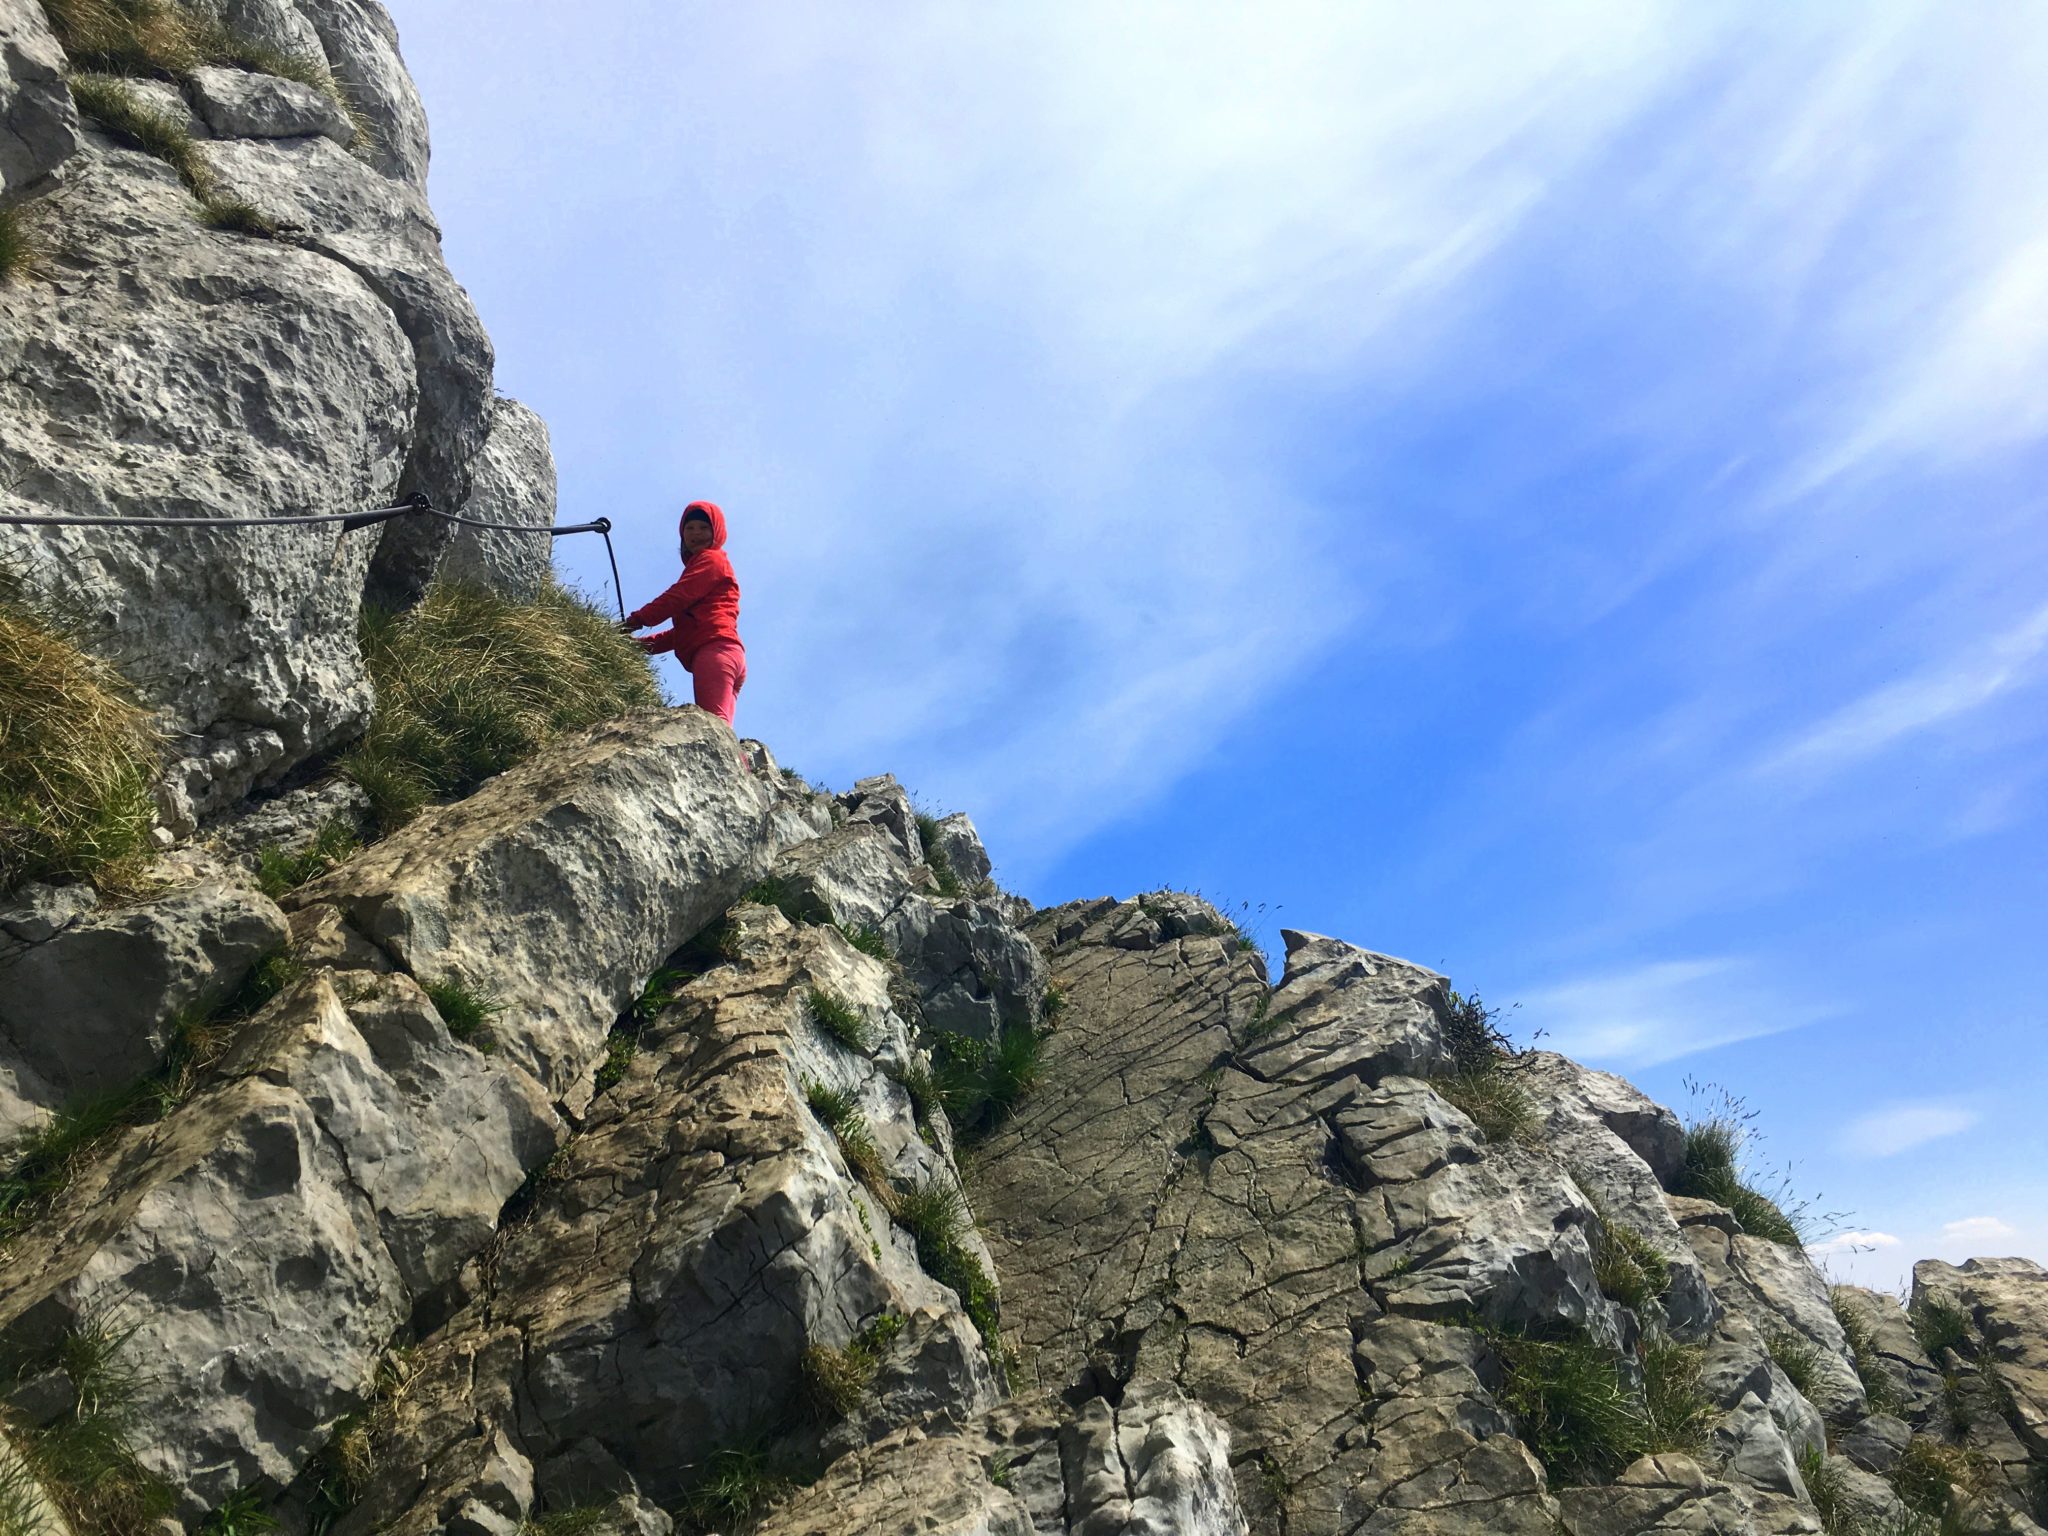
1798 1357
936 1216
798 905
867 938
1577 1410
81 1458
470 683
109 99
660 992
841 1021
279 873
1880 1387
735 1487
77 756
245 1512
466 1010
1052 1005
1627 1266
944 876
1263 1020
835 1380
1939 1325
1715 1168
577 1521
1478 1076
981 1084
620 1047
840 1112
1929 1475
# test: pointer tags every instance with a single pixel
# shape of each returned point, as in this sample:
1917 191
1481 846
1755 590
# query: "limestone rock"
273 24
268 1238
561 885
2007 1304
957 842
288 823
1897 1352
38 123
975 973
514 482
92 1006
1342 1009
1771 1289
701 1233
361 44
242 104
383 231
1670 1494
855 875
882 801
1876 1443
251 379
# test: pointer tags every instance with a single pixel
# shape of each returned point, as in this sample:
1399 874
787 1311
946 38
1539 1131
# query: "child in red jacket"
703 610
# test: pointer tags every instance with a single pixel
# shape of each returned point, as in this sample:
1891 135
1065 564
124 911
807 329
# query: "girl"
703 610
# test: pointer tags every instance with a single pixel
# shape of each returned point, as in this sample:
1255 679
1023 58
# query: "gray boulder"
975 974
243 104
38 123
94 1003
514 482
1770 1289
298 396
287 823
885 803
562 884
1670 1494
1343 1010
2006 1301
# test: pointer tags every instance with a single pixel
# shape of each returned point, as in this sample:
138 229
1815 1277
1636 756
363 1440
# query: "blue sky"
1553 495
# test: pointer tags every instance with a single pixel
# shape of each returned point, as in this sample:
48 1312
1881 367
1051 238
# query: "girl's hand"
625 626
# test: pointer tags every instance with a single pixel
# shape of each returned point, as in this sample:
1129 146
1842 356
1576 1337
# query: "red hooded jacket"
703 605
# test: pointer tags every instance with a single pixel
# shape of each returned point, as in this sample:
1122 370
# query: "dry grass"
163 39
21 244
470 683
109 99
77 755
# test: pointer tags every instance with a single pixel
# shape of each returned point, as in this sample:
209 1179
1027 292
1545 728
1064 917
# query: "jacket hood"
710 510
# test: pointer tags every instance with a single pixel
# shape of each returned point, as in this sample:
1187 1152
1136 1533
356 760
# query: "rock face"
38 125
514 483
162 369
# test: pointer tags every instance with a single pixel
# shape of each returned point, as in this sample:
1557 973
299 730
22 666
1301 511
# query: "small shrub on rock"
935 860
1797 1356
1480 1076
981 1084
470 683
867 938
1579 1413
278 872
936 1217
21 245
1626 1266
840 1112
834 1380
466 1010
77 756
736 1486
1939 1324
1930 1474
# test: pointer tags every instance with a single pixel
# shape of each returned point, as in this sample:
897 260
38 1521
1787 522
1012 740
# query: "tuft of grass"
163 38
580 1520
835 1380
1828 1492
81 1459
1627 1266
40 1166
798 906
840 1113
278 872
128 117
936 1216
943 874
21 244
867 938
1052 1005
470 683
1479 1075
736 1487
466 1010
1881 1388
242 1513
981 1084
659 993
1939 1324
1714 1169
922 1086
620 1047
1263 1020
237 217
1929 1474
77 756
343 1468
1579 1413
841 1020
1797 1356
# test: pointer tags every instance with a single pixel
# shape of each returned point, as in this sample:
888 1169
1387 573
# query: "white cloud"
1939 693
1899 1128
1852 1242
1978 1229
1643 1015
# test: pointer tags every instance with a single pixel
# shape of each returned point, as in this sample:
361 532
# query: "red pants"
717 674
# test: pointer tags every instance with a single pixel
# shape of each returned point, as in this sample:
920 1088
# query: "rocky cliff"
641 1139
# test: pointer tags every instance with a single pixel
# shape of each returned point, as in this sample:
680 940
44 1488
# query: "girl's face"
696 536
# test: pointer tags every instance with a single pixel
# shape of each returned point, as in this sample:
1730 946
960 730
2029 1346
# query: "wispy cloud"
1978 1229
1643 1015
1897 1128
1852 1242
2006 661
